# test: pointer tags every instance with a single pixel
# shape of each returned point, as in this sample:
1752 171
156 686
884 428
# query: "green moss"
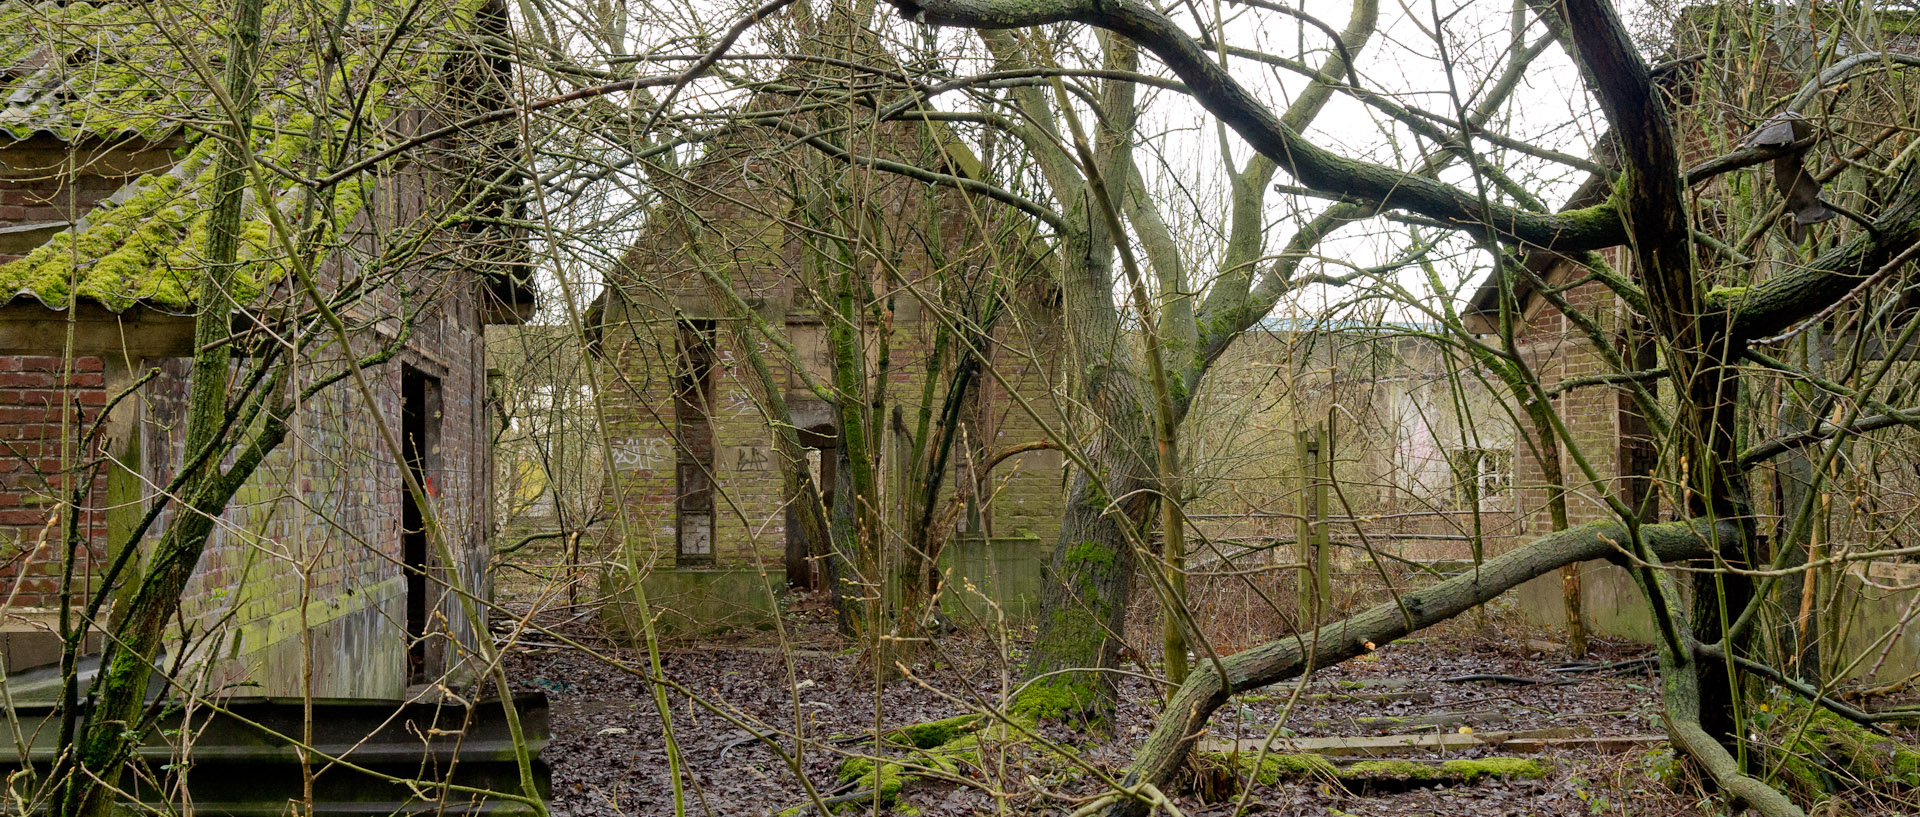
1843 744
1604 215
1277 766
1053 701
1519 768
884 780
1392 770
143 244
1090 553
937 733
949 744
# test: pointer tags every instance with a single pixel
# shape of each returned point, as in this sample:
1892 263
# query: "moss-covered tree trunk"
1700 347
856 532
1083 605
1090 574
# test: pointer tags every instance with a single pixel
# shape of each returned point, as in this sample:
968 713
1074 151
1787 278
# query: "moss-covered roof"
114 71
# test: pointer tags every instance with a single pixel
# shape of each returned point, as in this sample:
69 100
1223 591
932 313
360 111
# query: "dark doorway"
803 554
419 447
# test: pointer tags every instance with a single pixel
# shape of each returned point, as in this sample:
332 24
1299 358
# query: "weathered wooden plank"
1389 745
1476 718
1418 696
1615 743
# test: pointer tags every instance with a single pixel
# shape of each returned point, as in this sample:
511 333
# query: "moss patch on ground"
883 779
1277 766
945 747
1448 771
1060 700
938 733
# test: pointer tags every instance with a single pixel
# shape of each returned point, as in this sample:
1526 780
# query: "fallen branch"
1645 662
1391 745
1186 715
1865 719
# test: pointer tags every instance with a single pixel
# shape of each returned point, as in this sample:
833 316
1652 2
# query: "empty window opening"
694 432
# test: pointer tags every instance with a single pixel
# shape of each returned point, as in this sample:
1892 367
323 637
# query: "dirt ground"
821 703
609 757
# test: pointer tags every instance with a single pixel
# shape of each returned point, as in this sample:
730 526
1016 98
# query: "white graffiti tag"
641 454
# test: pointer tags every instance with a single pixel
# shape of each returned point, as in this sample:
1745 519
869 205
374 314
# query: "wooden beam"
28 327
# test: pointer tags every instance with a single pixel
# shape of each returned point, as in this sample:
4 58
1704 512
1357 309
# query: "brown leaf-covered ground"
609 755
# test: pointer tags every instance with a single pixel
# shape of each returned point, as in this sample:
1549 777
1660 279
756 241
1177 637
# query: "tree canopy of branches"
1713 290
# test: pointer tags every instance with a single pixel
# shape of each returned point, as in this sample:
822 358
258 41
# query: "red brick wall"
44 408
1557 349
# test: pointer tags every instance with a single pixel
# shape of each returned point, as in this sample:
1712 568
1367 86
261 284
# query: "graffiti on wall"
751 458
641 454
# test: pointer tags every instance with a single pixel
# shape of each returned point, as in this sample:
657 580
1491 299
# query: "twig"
1509 679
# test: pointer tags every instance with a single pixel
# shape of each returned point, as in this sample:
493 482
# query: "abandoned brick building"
692 451
104 188
1567 343
1416 439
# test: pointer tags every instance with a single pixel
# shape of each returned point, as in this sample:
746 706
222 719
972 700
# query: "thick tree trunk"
1700 347
1088 587
1682 702
1186 716
1084 602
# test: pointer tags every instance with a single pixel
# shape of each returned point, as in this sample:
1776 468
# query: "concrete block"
1003 572
1877 595
691 602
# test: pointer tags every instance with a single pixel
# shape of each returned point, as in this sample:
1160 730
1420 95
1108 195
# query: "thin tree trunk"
113 728
1796 632
1550 468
